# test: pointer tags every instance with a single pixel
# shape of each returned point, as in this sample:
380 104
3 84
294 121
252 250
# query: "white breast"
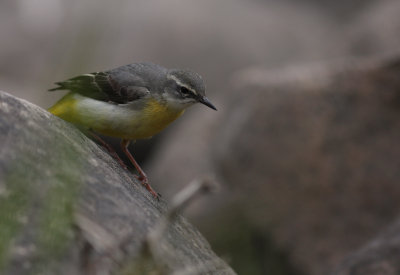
107 118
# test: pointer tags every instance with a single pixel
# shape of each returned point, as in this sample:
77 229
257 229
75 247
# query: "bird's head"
185 88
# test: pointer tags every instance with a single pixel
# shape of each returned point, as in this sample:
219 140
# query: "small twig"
152 245
180 201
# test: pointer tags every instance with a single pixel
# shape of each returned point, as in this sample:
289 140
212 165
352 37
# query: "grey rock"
67 207
380 256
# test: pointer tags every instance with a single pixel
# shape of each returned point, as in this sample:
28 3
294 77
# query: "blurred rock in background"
309 158
48 40
308 155
379 256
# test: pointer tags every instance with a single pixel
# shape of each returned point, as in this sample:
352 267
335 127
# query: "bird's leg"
110 150
142 176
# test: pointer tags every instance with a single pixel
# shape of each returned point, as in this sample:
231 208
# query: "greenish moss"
55 229
145 265
13 204
50 197
57 215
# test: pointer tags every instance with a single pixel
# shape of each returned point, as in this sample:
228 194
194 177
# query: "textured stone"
66 207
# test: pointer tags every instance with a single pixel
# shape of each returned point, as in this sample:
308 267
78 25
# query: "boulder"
67 207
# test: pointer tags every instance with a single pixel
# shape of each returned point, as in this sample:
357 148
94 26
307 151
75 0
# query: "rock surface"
380 256
66 207
309 157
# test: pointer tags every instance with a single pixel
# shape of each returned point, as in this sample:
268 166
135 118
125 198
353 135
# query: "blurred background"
48 40
298 168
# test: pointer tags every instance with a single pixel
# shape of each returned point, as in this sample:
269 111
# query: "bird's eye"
185 90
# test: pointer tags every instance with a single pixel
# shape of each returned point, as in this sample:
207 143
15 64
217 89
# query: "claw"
148 187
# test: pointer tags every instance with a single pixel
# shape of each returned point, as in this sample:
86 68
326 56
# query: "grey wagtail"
130 102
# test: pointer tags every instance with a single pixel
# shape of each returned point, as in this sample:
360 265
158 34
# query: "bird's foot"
123 165
145 182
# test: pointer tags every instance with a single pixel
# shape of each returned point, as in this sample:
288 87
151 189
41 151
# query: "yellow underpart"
155 117
64 108
121 121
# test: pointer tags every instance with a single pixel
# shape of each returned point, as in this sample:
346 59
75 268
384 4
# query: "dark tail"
60 86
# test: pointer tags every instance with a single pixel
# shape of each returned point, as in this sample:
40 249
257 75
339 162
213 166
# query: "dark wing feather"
105 87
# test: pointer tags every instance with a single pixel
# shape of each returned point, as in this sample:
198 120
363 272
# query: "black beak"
204 100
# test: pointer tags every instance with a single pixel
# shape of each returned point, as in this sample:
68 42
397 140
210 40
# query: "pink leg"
110 150
142 176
